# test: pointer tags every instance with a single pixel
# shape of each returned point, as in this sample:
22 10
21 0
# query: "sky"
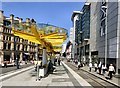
55 13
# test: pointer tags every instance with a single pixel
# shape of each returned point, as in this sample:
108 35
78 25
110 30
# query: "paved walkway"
115 81
62 77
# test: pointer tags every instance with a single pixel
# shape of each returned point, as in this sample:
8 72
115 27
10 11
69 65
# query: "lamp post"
104 18
118 47
37 62
105 7
15 52
80 42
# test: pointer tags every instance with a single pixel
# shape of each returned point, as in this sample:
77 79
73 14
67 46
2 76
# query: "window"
10 31
19 39
7 30
4 30
9 38
5 45
23 48
9 45
3 37
6 37
26 48
18 47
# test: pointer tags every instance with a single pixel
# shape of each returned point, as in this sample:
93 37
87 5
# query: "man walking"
90 66
111 70
59 61
99 67
103 68
78 65
5 63
95 65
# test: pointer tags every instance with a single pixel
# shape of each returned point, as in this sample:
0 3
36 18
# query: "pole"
15 51
37 62
44 59
84 54
118 35
106 37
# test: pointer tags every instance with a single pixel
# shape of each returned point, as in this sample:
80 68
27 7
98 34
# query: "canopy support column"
44 59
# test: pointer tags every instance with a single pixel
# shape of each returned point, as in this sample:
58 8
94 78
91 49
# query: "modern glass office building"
85 32
97 32
81 26
76 16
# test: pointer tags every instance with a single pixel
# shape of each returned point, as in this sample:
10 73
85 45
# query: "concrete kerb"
80 80
12 73
100 77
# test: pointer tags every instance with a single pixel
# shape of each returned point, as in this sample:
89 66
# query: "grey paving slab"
28 78
13 68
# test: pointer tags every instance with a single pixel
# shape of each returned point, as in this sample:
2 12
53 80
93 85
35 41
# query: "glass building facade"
84 33
86 22
81 24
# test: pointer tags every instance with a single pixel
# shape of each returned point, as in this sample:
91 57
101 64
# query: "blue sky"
55 13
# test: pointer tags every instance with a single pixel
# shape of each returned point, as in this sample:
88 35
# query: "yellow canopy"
47 40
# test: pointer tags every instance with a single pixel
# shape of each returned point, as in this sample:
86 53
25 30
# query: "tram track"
95 81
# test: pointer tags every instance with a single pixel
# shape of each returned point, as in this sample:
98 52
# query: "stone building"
12 47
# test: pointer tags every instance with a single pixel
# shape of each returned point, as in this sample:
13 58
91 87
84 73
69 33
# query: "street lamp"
105 37
118 47
37 62
15 52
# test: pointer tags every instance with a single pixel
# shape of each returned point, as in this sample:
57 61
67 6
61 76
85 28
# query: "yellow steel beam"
32 38
48 40
55 40
26 36
54 35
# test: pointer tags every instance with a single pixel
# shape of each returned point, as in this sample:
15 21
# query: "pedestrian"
75 61
78 65
111 70
59 62
99 67
20 64
5 63
55 60
50 67
95 65
103 68
35 63
90 66
106 75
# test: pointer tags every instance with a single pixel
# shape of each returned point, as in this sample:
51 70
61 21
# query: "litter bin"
42 72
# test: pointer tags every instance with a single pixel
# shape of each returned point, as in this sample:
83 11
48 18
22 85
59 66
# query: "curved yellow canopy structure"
48 36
